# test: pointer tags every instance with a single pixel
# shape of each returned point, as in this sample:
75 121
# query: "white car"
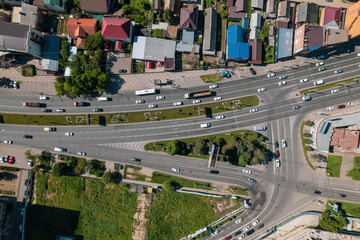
255 222
351 104
283 143
160 97
319 64
213 86
152 106
283 77
282 83
81 153
217 98
69 134
139 101
241 236
43 98
196 101
271 75
246 171
215 232
277 162
339 71
330 108
178 103
335 91
246 228
8 141
30 163
239 220
304 80
261 89
220 117
175 169
253 110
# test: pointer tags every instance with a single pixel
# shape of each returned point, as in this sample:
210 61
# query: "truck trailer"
198 94
33 104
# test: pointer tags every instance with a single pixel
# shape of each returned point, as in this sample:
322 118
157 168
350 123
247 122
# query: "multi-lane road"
278 192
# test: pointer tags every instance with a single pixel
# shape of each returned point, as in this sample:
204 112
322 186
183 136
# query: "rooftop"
352 20
154 49
95 6
284 43
116 28
189 17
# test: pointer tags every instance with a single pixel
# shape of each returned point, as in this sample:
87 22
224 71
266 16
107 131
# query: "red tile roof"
116 28
331 14
78 27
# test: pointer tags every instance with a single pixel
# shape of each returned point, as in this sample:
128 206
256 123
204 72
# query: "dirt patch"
139 227
10 183
50 196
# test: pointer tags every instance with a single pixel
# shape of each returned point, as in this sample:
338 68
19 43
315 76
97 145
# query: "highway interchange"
278 193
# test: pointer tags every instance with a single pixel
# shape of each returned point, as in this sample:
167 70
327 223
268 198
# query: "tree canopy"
332 222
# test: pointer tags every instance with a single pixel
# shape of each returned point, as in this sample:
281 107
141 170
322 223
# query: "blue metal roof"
236 48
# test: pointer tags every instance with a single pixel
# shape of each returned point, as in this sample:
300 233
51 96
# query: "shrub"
59 169
173 147
308 148
307 134
107 177
97 168
28 70
309 123
307 141
80 166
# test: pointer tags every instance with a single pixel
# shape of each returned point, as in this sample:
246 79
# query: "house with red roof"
189 17
116 31
79 28
330 18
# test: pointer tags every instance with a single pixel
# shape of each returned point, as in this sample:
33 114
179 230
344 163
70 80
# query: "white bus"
145 92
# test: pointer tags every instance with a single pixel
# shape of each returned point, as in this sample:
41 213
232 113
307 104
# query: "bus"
145 92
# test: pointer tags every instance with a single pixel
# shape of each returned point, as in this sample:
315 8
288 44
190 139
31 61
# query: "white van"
205 125
103 99
178 103
59 149
306 98
319 82
49 129
259 128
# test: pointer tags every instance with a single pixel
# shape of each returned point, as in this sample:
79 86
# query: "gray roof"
209 41
271 6
302 12
255 21
28 14
155 49
182 47
283 10
13 36
284 43
257 4
188 36
307 12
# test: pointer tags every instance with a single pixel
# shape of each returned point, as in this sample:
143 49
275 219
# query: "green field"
330 85
211 78
159 177
80 207
352 209
355 172
333 166
238 190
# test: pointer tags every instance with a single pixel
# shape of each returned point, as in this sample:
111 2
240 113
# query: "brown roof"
77 27
345 139
256 51
94 6
189 17
335 36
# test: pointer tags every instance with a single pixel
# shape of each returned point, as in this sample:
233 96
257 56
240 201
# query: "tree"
107 177
200 147
332 223
306 141
223 11
173 147
307 134
97 168
94 42
243 161
72 163
64 53
309 123
59 169
308 148
169 186
168 16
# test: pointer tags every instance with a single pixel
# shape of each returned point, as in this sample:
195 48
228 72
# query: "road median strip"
330 85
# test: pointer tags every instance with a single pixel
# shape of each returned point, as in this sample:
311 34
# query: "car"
339 71
225 74
253 110
342 195
175 169
196 101
178 103
214 171
246 171
340 106
213 86
283 143
15 85
121 70
6 158
320 57
228 238
241 236
43 98
250 232
330 108
261 89
351 104
261 226
297 107
317 192
30 163
69 134
319 64
255 222
282 83
46 110
152 106
60 110
335 91
205 125
160 97
252 180
2 159
81 153
246 228
304 80
282 77
321 69
277 163
252 71
139 101
98 110
136 159
217 98
271 75
8 141
215 232
22 211
239 221
27 136
21 228
276 143
277 153
11 160
25 191
220 117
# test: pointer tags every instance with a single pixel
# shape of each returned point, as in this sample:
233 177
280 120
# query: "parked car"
252 180
330 108
304 80
261 226
340 106
261 89
351 104
136 159
15 85
122 70
178 103
228 238
98 110
30 163
139 101
252 71
196 101
319 64
81 153
11 160
283 143
277 153
152 106
239 220
255 222
335 91
217 98
213 86
276 143
277 162
8 141
282 83
241 236
214 171
46 110
342 195
43 98
160 97
246 228
321 56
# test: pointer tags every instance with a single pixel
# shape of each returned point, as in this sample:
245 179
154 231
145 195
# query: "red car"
277 153
11 160
341 106
228 238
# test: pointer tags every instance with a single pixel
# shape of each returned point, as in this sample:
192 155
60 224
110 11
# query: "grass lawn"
333 166
303 146
238 190
80 207
44 120
328 86
134 175
211 78
159 177
355 172
352 209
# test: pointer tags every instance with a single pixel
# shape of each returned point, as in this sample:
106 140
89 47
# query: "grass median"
161 178
330 85
211 78
333 166
130 117
303 146
351 209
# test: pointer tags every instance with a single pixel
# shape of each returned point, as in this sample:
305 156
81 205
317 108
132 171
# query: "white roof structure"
154 49
255 21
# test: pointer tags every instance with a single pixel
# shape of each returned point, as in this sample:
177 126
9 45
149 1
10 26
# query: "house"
307 13
157 6
187 44
20 38
330 18
237 49
51 50
189 17
308 38
155 50
283 43
254 33
283 9
256 50
169 4
15 3
33 16
271 6
257 4
116 31
335 36
210 32
352 20
97 6
255 21
282 23
39 4
237 8
79 28
59 6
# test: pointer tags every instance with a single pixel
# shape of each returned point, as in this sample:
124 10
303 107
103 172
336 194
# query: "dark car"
252 71
237 233
317 192
27 136
98 110
122 70
321 56
297 107
340 106
261 226
46 110
137 159
342 195
214 171
276 143
277 153
252 180
250 232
